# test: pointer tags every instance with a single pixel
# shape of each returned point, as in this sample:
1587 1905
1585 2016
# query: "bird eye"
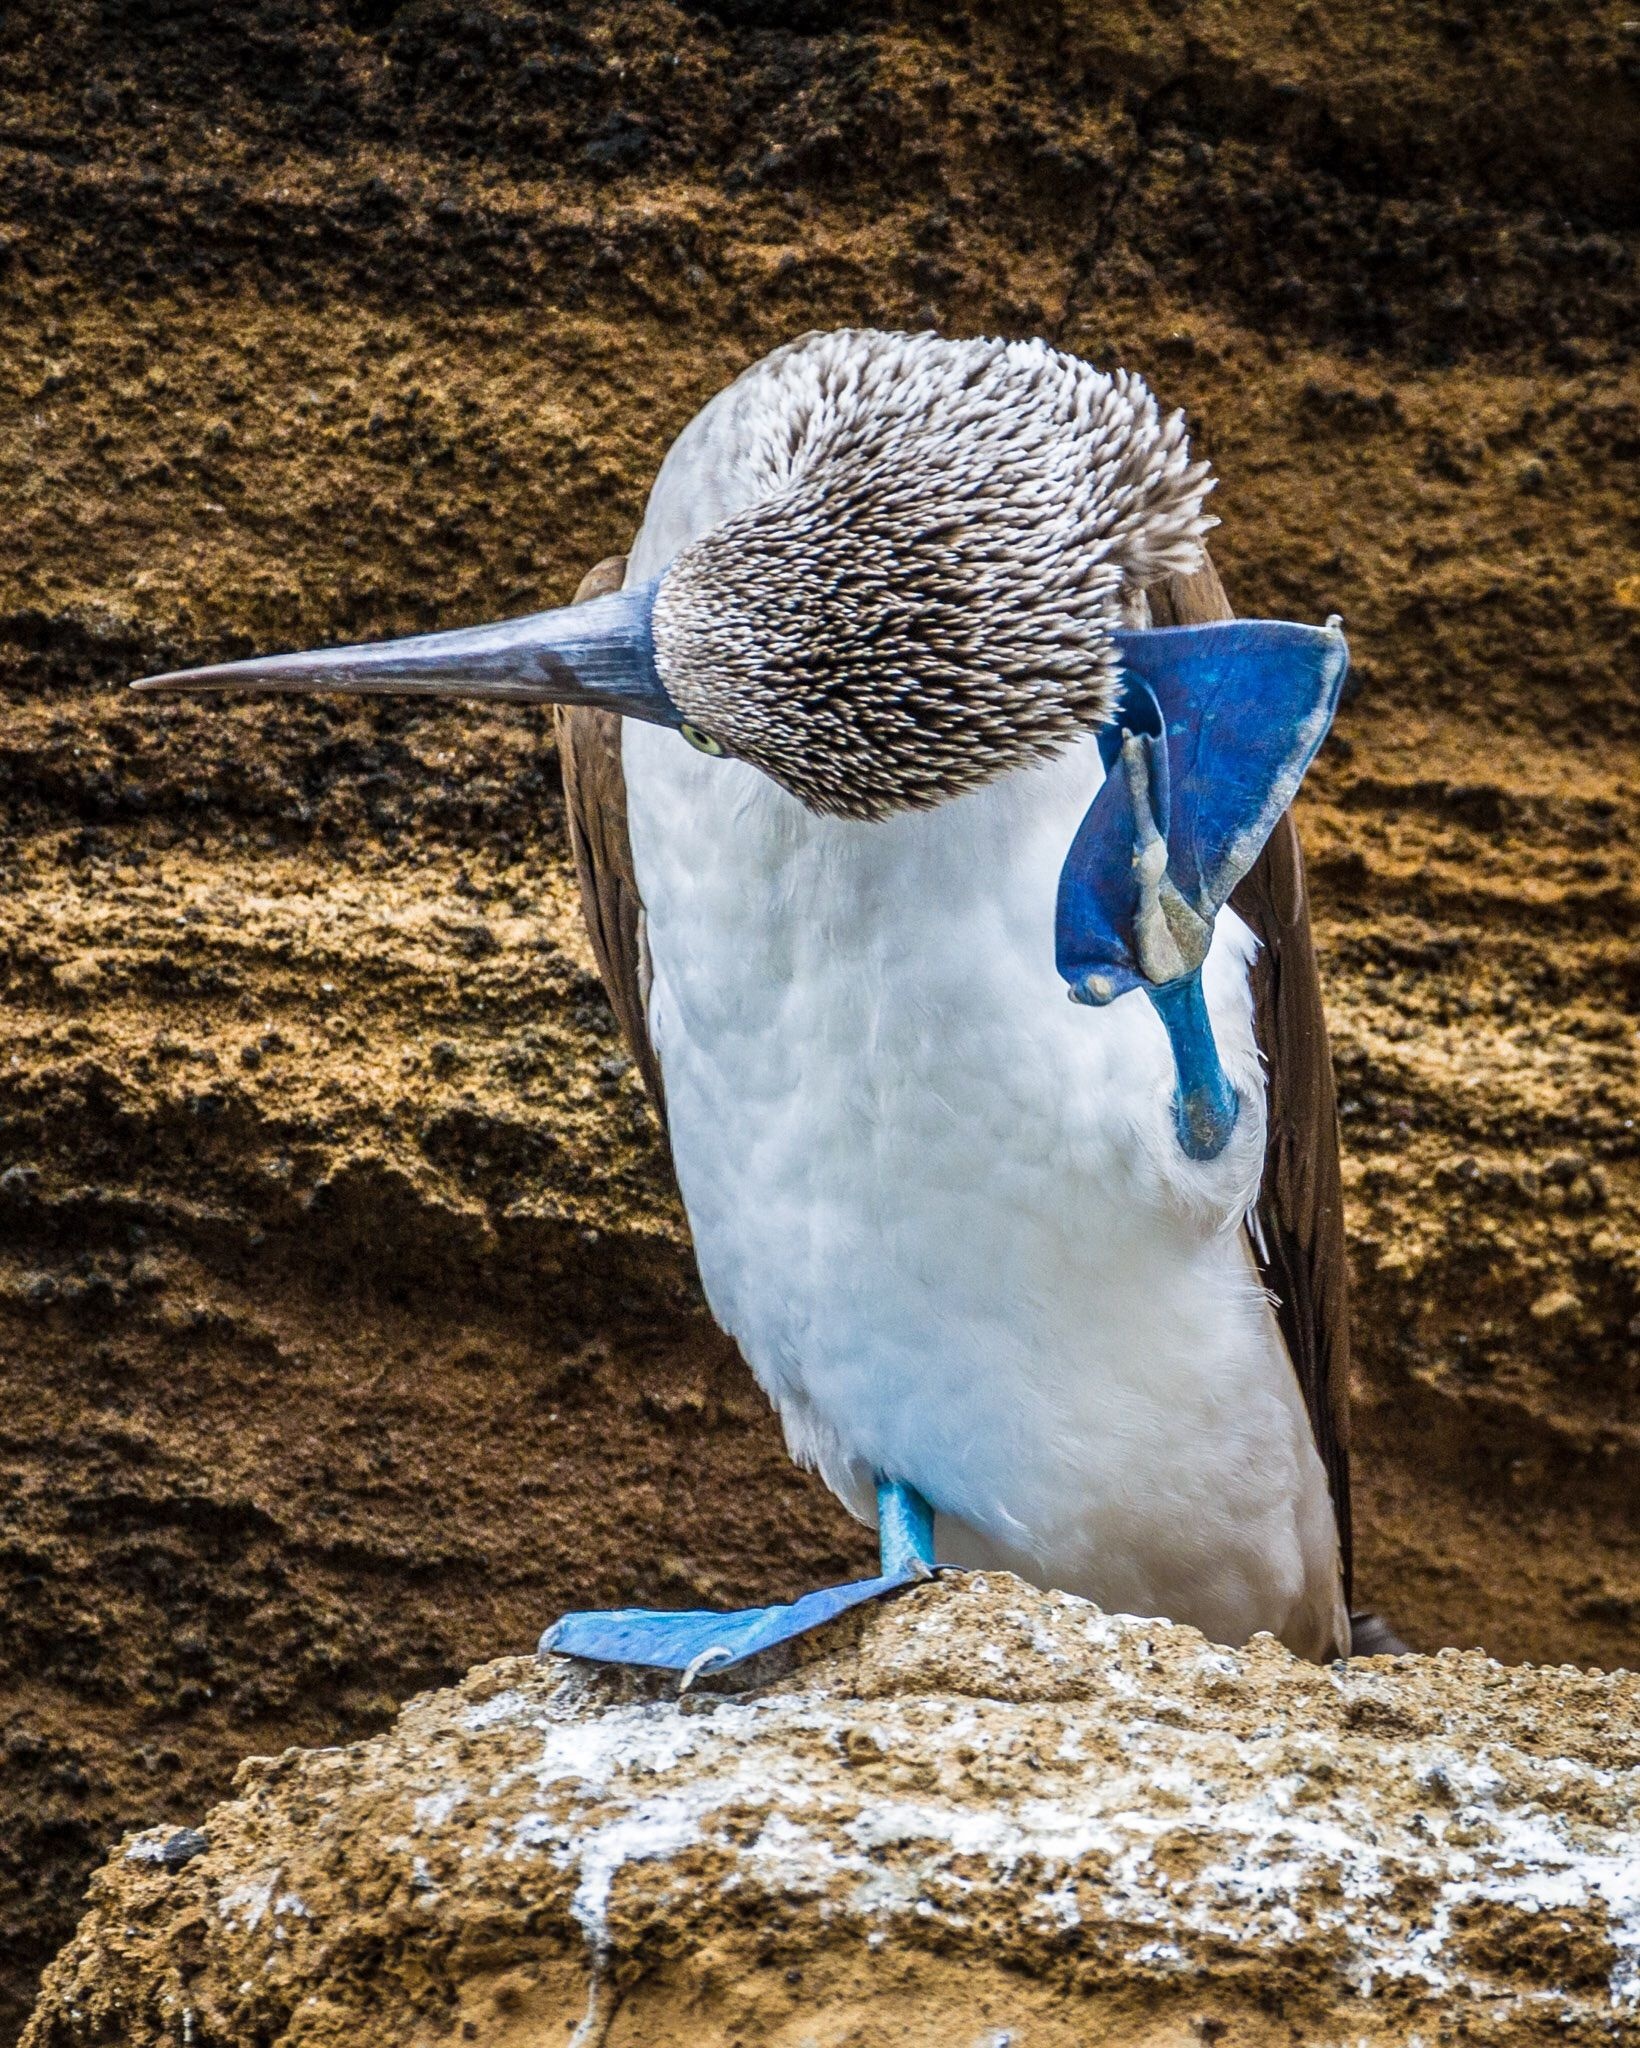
703 742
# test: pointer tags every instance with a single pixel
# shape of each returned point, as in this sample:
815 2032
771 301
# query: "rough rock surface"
978 1814
347 1329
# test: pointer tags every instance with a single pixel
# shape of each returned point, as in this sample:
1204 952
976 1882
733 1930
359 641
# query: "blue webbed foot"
702 1640
1216 727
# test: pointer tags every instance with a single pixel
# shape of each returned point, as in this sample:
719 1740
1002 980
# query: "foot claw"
719 1655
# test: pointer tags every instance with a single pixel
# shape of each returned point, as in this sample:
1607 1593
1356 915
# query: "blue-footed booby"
916 705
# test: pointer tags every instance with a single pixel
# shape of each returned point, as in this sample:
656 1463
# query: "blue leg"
703 1640
905 1529
1204 1103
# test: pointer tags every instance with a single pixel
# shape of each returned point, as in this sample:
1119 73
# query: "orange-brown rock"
978 1814
347 1329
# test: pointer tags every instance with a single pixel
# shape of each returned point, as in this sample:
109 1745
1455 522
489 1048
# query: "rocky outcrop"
975 1813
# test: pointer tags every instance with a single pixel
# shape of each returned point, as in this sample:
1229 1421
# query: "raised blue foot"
701 1640
1210 741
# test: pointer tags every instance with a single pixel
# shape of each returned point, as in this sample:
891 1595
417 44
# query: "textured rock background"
347 1329
981 1814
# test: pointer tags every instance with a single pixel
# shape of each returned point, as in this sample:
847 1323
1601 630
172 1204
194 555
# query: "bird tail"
1370 1636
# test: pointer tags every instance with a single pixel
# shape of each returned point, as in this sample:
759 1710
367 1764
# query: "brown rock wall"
346 1325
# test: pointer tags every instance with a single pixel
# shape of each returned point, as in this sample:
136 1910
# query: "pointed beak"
600 653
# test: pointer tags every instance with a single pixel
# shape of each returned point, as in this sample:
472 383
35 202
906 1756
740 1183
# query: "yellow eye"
702 742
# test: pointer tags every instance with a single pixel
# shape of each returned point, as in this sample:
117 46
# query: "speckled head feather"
925 596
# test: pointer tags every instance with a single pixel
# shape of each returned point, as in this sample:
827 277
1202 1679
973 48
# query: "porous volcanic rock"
975 1813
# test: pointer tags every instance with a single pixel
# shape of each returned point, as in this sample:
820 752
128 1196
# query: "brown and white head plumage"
924 597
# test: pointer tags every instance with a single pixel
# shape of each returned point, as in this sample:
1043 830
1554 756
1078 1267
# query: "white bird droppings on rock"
970 1813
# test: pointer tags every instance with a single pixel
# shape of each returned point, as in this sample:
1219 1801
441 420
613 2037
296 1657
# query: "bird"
916 705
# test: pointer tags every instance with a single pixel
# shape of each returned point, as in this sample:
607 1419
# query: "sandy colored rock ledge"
977 1814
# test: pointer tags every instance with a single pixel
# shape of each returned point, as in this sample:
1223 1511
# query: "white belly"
942 1209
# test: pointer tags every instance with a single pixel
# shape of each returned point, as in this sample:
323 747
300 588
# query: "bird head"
919 595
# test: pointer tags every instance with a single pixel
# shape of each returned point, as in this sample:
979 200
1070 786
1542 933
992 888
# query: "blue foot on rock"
703 1640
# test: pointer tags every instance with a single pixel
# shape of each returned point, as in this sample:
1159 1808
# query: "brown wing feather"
1299 1244
589 753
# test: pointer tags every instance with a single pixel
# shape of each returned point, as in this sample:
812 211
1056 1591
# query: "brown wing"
1299 1243
589 753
